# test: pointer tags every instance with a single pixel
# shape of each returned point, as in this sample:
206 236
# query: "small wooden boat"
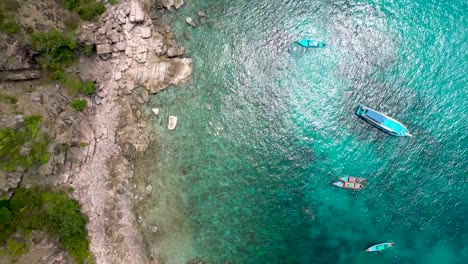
380 247
349 182
308 43
382 122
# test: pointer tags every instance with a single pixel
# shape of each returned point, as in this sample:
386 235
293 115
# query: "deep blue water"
263 130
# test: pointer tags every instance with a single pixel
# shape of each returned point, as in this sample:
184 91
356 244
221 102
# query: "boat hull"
348 185
380 247
382 121
308 43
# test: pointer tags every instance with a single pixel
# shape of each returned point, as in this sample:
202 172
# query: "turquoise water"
245 177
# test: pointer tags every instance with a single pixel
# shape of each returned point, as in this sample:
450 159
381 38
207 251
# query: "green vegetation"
16 248
90 10
87 9
75 85
113 2
25 147
88 88
79 104
87 50
9 6
72 22
9 25
84 144
8 98
56 213
56 51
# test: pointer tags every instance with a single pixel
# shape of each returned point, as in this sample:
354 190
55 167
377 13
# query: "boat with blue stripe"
380 247
382 121
309 43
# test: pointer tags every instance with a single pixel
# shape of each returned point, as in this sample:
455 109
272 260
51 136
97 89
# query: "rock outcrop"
136 12
139 59
93 150
17 62
168 4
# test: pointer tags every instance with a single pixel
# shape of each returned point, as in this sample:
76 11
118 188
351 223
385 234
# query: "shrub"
12 140
79 104
72 22
87 50
8 223
16 248
87 9
56 50
75 85
88 88
70 4
53 212
9 25
9 5
90 10
113 2
8 98
32 124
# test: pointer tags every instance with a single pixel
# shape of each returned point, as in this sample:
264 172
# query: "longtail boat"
382 121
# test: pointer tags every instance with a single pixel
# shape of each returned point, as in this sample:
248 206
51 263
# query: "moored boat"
349 182
380 247
309 43
382 121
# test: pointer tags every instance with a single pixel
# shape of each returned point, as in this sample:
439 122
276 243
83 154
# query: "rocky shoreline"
135 58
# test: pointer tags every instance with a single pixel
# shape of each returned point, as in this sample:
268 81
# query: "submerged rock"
149 189
201 13
155 111
190 21
172 123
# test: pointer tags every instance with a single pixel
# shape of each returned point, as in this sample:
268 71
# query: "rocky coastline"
135 58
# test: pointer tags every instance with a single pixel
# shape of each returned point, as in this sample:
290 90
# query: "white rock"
190 21
178 3
155 111
154 229
117 76
141 49
149 188
120 46
103 49
101 93
145 32
172 123
129 52
136 12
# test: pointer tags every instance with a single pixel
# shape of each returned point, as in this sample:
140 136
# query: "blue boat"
380 247
308 43
382 122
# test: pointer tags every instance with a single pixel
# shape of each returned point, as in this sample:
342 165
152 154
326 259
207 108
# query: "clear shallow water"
245 177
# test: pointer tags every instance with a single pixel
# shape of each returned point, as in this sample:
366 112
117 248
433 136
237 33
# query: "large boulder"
158 75
136 12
